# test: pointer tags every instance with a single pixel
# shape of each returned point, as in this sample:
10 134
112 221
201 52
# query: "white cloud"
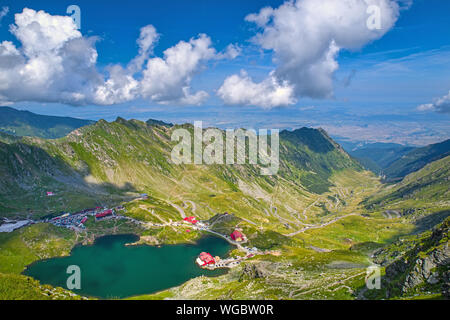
440 105
147 40
3 13
242 90
56 63
231 51
167 80
307 35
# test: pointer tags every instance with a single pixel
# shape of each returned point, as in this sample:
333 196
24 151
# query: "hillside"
108 163
123 158
308 218
416 159
25 123
417 265
428 187
378 156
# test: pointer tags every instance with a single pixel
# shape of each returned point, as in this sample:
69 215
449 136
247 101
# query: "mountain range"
25 123
322 219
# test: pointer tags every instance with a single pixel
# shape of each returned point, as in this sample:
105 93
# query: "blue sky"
376 88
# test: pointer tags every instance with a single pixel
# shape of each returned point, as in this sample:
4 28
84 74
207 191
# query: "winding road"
180 210
319 226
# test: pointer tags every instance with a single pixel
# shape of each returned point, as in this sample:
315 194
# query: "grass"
24 246
19 287
317 183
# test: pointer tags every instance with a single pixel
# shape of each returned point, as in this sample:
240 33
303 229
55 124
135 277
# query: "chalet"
104 214
205 259
50 194
237 236
191 220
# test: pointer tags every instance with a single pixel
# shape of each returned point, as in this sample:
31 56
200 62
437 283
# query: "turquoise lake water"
110 269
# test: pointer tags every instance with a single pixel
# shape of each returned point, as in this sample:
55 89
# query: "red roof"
206 258
190 219
84 220
104 213
236 234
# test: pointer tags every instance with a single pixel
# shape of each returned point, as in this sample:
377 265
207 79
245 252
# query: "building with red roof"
205 259
104 213
237 236
191 220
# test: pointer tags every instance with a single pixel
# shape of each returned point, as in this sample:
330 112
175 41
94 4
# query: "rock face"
424 268
252 271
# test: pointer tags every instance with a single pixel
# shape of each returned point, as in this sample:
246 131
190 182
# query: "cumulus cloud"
306 37
440 105
242 90
147 40
167 79
56 63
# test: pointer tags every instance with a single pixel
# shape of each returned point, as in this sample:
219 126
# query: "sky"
254 63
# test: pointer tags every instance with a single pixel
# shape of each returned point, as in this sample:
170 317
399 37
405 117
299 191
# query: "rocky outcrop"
252 271
424 268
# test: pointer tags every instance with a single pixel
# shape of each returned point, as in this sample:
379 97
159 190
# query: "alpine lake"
110 269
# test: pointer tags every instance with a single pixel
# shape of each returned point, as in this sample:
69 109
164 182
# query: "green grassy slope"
417 159
378 156
428 187
22 247
112 161
25 123
309 217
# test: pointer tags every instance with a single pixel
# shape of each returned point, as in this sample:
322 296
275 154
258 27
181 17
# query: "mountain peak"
153 122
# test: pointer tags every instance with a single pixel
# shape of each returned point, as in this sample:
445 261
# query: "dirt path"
283 221
389 214
193 205
319 226
341 281
249 221
180 210
307 208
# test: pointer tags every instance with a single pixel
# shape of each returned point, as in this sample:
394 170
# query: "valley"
315 226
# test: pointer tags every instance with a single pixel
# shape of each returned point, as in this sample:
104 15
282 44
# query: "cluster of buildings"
77 220
205 259
192 220
70 221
